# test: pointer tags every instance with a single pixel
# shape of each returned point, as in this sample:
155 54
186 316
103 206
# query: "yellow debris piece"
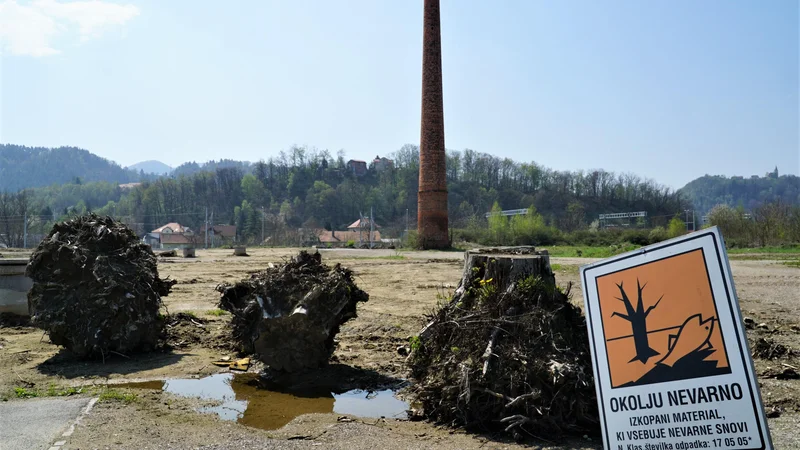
242 364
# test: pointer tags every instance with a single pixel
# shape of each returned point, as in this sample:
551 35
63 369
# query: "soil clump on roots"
96 288
289 314
507 353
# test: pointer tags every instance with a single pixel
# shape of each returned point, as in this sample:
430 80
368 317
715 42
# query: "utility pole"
263 215
206 227
212 229
25 231
371 225
406 236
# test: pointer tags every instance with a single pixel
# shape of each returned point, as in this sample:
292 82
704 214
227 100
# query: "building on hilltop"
382 163
358 168
773 174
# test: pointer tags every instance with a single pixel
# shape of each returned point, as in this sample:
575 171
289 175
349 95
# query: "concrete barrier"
188 253
239 251
14 286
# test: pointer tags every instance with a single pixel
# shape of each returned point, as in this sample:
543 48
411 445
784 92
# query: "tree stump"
503 266
289 315
508 351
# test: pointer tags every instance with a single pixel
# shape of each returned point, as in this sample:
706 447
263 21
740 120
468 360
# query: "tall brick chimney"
432 197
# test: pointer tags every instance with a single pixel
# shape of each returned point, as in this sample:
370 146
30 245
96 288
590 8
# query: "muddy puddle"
242 401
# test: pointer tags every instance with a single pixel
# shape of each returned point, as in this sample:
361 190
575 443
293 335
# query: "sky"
669 90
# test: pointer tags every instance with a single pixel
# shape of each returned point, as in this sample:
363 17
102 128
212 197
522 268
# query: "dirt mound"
508 352
96 288
14 320
289 314
183 330
766 348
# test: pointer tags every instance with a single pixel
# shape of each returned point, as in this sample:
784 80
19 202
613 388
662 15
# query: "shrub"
657 234
675 228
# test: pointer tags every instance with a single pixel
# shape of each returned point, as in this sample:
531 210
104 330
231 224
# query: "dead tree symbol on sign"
638 320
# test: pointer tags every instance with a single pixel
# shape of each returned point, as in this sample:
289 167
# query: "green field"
779 250
587 251
780 253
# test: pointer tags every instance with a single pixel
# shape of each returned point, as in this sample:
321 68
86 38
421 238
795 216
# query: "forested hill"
708 191
27 167
309 189
154 167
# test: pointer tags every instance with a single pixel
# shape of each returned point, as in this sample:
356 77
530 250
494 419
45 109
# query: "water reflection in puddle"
270 410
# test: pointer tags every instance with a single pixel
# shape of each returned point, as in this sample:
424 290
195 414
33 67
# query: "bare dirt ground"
403 286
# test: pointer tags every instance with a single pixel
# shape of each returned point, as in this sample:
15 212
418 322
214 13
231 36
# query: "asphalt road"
37 423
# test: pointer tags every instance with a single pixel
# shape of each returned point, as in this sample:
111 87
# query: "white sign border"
732 300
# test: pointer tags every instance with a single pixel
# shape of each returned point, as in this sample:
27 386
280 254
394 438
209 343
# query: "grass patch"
52 391
794 263
216 312
762 257
568 268
112 395
25 393
783 249
190 314
588 251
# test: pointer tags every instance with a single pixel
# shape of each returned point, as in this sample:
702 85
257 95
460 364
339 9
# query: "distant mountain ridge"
151 167
29 167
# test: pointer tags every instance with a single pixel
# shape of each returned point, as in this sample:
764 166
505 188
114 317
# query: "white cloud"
29 29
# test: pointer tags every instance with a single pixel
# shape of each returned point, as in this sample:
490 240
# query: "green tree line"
308 188
769 224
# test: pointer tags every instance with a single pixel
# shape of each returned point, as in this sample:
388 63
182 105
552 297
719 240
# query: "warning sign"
671 360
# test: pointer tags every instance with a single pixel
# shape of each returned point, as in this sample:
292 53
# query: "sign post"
672 365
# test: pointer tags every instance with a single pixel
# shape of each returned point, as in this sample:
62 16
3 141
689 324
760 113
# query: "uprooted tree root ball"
508 352
96 288
288 315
